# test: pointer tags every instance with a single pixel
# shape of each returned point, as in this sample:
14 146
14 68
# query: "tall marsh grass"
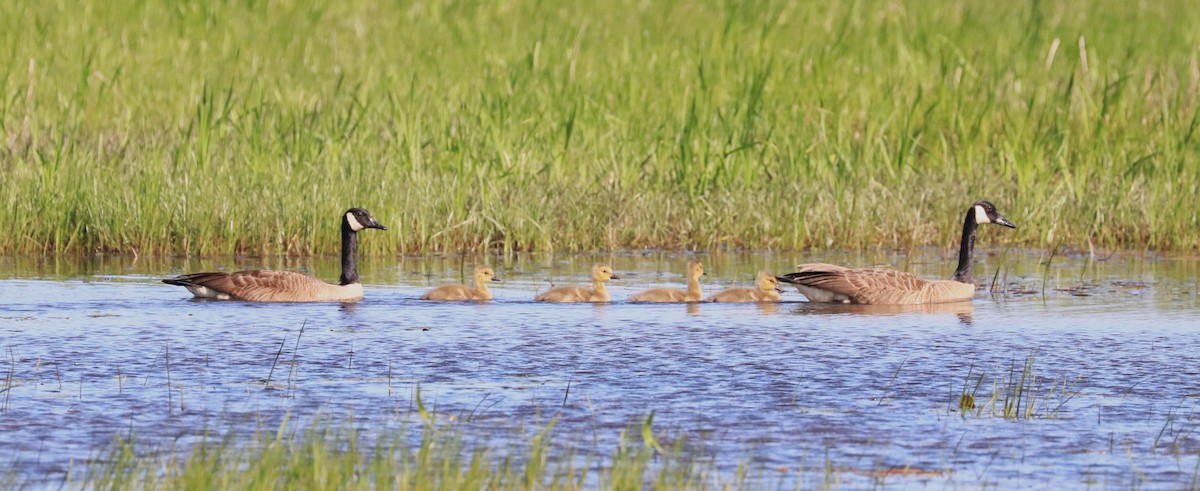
156 127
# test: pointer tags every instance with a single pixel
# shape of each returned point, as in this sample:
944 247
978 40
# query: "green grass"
1022 393
156 127
324 456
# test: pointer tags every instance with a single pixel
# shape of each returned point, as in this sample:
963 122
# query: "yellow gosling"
767 291
597 293
463 292
675 295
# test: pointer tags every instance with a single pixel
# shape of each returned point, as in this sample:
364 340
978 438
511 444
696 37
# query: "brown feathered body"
260 285
766 290
675 295
462 293
828 283
569 294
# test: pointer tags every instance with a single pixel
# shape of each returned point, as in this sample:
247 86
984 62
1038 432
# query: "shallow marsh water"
96 348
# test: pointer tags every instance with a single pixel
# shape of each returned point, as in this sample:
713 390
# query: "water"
96 348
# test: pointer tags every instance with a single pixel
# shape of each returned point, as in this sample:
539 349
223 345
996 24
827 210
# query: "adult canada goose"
464 292
664 295
830 283
766 290
597 293
261 285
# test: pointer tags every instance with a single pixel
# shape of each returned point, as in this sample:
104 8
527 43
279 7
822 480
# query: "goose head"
695 269
357 219
602 272
985 212
767 282
485 275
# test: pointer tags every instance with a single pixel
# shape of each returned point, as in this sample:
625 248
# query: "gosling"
675 295
597 293
459 293
767 291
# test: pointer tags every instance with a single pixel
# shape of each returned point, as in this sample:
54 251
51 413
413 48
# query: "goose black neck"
966 249
349 255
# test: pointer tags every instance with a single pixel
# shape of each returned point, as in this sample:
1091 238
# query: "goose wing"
865 286
879 286
257 285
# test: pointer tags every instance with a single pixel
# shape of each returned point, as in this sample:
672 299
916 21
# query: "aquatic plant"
1021 394
328 456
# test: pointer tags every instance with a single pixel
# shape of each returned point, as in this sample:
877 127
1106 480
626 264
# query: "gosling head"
695 269
767 282
985 212
357 219
485 275
602 272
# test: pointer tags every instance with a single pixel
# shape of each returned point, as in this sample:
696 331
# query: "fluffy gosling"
452 293
767 290
597 293
675 295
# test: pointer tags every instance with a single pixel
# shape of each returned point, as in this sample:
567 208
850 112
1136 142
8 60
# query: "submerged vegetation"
247 127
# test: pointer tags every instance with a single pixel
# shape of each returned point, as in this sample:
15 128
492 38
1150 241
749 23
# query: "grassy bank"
247 127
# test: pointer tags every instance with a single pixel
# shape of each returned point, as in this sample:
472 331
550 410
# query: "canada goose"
664 295
830 283
597 293
260 285
464 292
766 290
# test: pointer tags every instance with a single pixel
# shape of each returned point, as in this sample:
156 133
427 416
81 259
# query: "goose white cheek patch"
981 215
356 226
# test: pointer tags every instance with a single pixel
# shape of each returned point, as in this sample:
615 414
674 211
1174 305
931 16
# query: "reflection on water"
957 308
962 310
96 348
